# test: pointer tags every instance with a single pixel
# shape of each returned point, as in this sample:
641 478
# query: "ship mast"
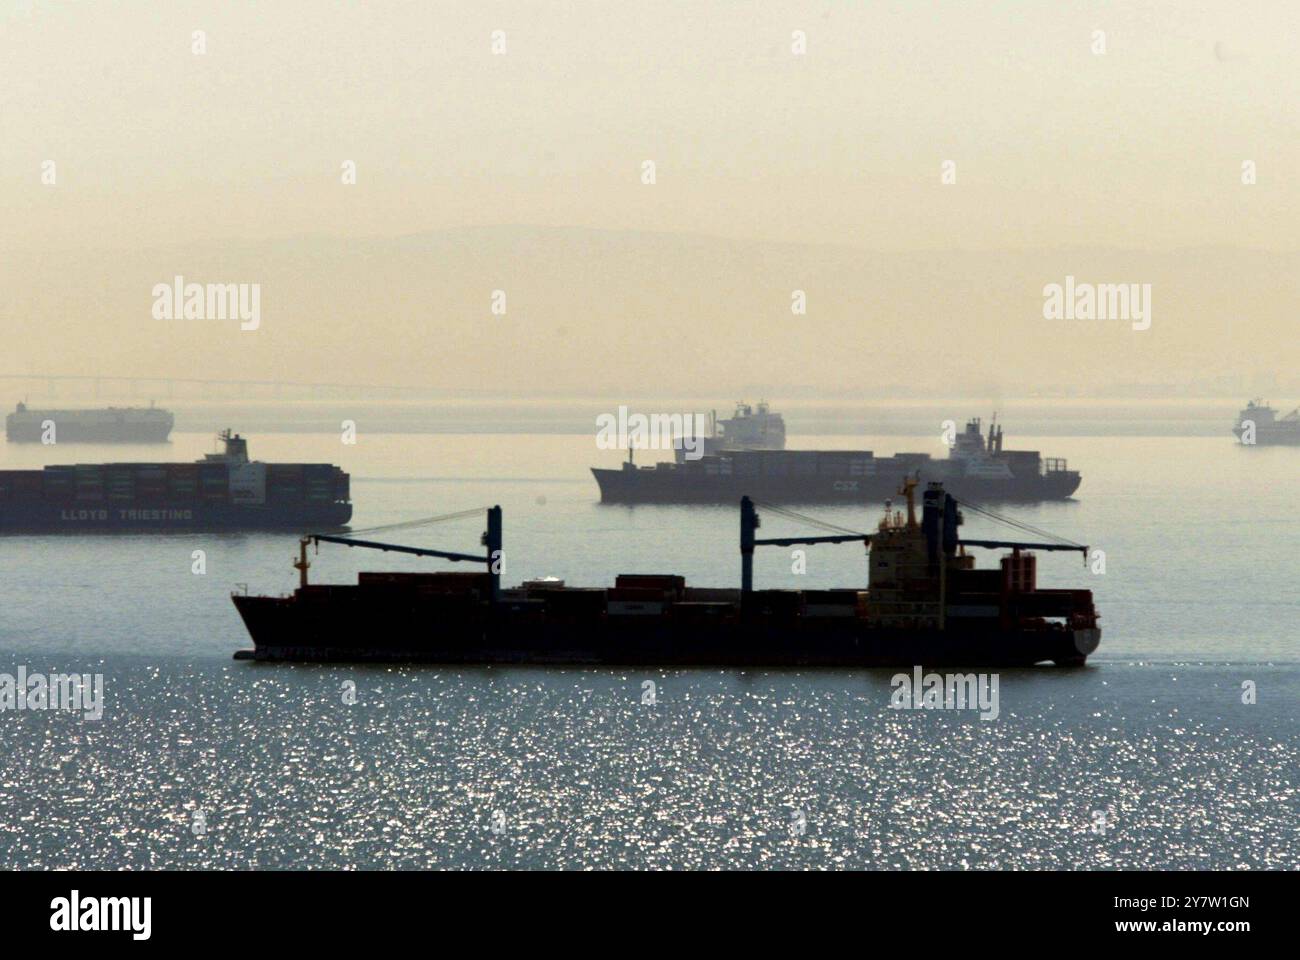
302 563
909 485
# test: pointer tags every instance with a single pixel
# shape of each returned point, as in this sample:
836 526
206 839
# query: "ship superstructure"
924 602
752 428
977 468
749 428
224 490
1259 424
107 425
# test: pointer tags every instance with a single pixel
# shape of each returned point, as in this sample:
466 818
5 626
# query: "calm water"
1148 758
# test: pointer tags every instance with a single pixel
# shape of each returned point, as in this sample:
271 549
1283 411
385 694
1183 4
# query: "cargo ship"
924 602
975 469
220 492
111 425
746 429
1258 424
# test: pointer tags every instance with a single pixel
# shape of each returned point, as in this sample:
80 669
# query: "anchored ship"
975 468
1259 424
747 429
111 425
925 603
222 491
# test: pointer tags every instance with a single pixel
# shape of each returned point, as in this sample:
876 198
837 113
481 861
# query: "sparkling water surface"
1148 758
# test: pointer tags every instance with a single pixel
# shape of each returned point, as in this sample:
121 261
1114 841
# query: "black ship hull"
668 486
290 629
43 517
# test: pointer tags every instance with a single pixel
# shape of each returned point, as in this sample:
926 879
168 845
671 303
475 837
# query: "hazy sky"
158 149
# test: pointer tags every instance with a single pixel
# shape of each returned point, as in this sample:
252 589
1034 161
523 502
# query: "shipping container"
183 481
634 608
119 482
89 482
150 482
319 482
59 484
282 492
777 603
650 581
830 603
19 485
712 595
583 602
637 593
525 611
702 612
439 582
834 464
27 486
1019 572
776 464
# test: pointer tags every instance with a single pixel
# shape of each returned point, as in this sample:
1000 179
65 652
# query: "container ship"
974 468
925 603
747 429
111 425
1259 424
222 491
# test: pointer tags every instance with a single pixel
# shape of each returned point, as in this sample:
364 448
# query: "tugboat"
925 603
975 469
223 491
1259 424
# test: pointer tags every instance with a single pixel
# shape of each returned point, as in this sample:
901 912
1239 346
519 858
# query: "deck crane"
491 556
940 520
749 522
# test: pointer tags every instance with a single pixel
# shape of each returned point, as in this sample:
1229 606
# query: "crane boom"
1017 545
396 548
831 538
493 556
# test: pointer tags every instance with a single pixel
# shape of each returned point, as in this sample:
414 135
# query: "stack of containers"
214 481
319 482
151 482
119 482
59 483
284 482
89 482
183 482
